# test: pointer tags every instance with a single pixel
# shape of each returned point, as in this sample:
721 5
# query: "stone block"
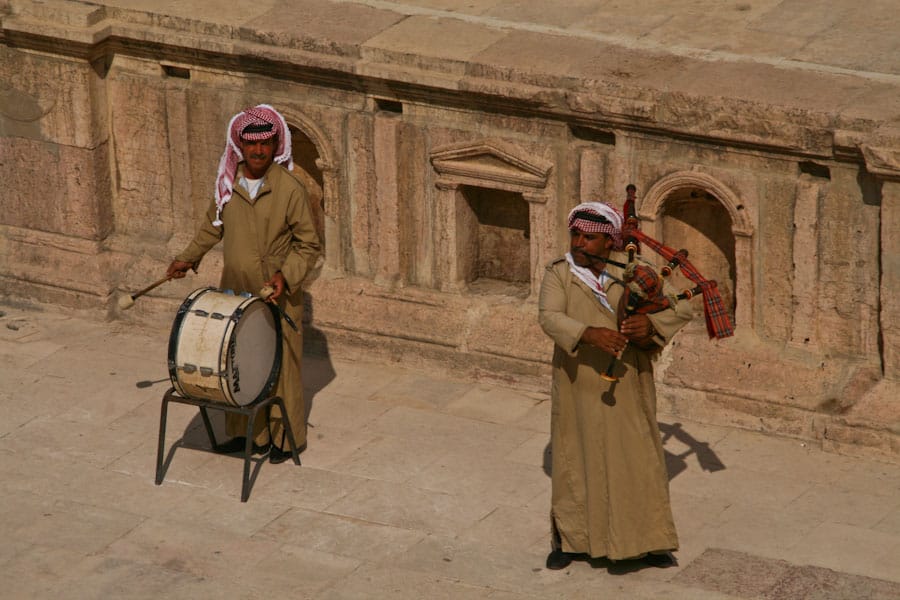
861 441
418 316
51 99
848 281
65 192
429 44
144 207
504 327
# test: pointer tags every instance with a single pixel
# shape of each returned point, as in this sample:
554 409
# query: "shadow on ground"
675 463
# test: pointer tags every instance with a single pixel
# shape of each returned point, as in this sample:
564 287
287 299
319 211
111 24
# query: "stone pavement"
414 486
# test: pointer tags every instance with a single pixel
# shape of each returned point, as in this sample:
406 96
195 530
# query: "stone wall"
441 189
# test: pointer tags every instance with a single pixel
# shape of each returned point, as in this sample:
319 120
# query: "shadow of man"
318 369
675 463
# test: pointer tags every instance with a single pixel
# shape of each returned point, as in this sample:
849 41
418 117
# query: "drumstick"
126 302
265 293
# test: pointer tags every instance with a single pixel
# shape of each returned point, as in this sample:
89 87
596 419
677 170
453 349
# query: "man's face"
597 245
258 156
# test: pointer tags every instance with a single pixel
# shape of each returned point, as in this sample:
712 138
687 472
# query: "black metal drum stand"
250 411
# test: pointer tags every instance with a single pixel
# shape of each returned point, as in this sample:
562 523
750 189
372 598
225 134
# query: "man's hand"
608 340
278 284
639 330
178 269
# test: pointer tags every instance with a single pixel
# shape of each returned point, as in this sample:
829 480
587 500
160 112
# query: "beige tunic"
273 232
610 486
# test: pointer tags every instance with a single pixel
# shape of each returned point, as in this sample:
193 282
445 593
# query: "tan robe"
273 232
610 486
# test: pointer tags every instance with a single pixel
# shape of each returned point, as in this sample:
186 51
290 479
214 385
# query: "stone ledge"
335 57
862 437
346 344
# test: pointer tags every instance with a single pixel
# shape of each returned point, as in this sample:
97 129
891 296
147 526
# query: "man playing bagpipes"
608 312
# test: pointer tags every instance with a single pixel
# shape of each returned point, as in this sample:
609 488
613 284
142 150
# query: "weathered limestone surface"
444 147
415 485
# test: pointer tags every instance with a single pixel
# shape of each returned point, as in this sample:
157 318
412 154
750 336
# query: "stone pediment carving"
884 162
490 163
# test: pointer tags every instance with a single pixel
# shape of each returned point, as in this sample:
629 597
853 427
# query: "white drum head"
251 353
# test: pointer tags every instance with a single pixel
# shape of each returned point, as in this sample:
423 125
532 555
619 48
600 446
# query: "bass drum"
225 347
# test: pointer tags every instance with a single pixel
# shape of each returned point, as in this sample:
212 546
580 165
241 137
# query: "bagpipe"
645 287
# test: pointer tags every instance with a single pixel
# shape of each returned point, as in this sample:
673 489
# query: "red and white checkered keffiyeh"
256 119
598 217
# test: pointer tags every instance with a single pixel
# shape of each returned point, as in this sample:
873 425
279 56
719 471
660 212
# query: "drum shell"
224 347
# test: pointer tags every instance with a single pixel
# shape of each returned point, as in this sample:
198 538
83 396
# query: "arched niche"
314 166
696 211
491 200
306 169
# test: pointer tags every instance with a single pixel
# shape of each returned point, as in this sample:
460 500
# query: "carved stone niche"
694 210
491 202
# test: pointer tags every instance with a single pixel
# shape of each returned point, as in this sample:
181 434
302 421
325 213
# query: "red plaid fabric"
718 325
646 283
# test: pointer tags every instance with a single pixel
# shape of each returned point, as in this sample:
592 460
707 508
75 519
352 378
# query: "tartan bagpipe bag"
647 284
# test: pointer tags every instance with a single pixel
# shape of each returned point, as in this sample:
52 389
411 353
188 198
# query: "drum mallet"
126 302
265 293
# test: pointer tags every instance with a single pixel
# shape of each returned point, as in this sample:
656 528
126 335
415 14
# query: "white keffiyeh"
596 283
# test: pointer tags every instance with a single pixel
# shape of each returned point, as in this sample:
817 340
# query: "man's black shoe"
278 456
237 444
558 559
662 561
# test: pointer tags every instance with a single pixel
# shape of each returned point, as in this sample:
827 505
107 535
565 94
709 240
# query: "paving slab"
386 458
849 549
341 535
507 527
502 482
395 584
421 392
442 494
738 573
856 507
339 411
758 529
495 405
311 488
335 444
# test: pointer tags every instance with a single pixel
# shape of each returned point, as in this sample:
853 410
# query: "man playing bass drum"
261 214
